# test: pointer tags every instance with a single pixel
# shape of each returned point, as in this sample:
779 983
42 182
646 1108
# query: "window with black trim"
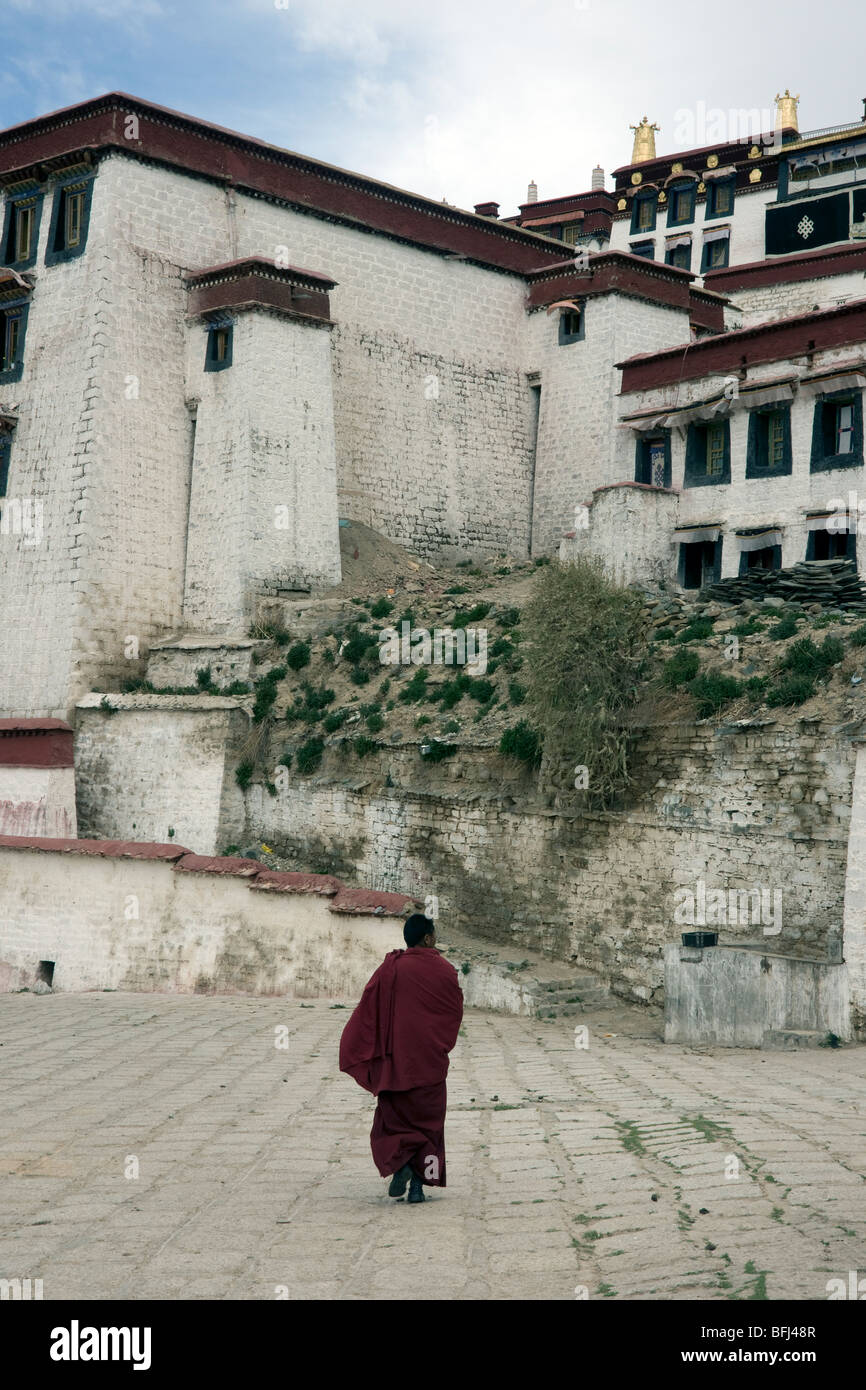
681 204
700 563
21 231
837 431
679 253
768 451
571 326
720 198
70 219
832 545
708 454
218 355
769 557
715 253
5 460
13 330
643 213
643 248
652 463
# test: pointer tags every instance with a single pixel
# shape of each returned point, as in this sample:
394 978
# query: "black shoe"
416 1191
399 1181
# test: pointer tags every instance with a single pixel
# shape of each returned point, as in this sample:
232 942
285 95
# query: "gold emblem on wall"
755 176
676 168
622 205
702 187
754 152
637 177
663 197
713 161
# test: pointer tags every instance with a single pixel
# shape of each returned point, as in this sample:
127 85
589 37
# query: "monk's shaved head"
416 928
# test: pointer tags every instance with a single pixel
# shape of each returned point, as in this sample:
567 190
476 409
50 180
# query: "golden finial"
644 141
786 111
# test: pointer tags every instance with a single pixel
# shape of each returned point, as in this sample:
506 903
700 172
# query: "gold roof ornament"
786 111
755 176
644 141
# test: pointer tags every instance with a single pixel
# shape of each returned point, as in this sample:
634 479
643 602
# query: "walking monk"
396 1044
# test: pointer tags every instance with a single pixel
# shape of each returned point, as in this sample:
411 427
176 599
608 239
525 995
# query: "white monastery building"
212 350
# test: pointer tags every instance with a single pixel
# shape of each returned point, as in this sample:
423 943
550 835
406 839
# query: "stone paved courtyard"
635 1170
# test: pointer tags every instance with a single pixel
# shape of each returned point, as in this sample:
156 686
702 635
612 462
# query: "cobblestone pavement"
635 1170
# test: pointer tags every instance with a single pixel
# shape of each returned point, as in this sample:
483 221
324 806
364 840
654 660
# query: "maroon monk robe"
396 1044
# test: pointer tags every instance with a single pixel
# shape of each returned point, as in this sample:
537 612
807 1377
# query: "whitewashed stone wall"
139 924
37 801
578 441
263 504
160 770
434 469
767 302
630 529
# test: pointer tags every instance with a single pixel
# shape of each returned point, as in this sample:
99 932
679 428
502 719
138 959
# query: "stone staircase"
506 979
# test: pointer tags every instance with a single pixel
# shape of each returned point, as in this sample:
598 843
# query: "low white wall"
741 998
112 922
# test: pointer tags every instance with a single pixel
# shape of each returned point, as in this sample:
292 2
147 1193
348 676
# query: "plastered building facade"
214 349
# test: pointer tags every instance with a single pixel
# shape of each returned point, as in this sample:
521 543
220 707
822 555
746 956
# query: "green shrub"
360 676
244 775
422 720
334 721
792 689
786 627
204 679
523 742
285 760
586 642
317 697
359 644
516 693
481 690
417 688
465 617
298 656
682 667
452 727
756 685
697 631
309 755
665 634
457 589
266 692
806 659
712 691
375 723
748 628
363 745
858 637
381 608
509 617
437 752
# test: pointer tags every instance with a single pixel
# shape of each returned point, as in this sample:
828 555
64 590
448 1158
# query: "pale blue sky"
462 99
